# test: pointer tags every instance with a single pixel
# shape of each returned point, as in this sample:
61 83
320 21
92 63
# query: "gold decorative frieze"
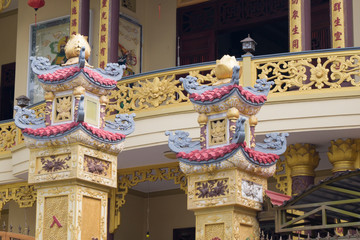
63 108
218 131
22 193
306 74
212 188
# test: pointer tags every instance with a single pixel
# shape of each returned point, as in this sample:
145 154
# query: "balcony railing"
297 76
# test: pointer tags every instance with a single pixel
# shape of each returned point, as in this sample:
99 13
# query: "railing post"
246 76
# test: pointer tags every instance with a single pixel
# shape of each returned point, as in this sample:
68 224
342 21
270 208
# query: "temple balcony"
314 98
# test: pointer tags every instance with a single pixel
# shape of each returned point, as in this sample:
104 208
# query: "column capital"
302 159
342 154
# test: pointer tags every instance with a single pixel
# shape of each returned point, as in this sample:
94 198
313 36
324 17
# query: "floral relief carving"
96 166
212 188
54 163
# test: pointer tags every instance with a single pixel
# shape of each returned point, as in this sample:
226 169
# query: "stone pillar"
226 203
299 25
341 23
302 160
342 155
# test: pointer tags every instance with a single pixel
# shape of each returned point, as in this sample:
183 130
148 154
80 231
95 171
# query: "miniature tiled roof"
63 129
212 154
259 157
208 154
219 93
67 73
277 199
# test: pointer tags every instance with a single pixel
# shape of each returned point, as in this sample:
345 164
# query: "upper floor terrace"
314 97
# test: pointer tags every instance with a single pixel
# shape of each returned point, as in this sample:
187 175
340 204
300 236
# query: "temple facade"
196 119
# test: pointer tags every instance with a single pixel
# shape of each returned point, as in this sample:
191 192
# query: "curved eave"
74 76
226 96
210 161
68 132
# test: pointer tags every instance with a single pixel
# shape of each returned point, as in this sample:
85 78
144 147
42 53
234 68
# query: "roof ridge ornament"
123 123
26 118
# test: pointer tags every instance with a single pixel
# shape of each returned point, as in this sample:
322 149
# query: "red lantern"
36 4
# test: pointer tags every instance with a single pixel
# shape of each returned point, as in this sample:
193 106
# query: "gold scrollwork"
282 177
147 93
128 178
8 133
305 74
155 91
22 193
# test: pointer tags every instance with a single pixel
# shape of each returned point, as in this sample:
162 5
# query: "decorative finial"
73 49
224 69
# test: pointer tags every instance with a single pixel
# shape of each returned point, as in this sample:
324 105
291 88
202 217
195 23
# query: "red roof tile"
98 78
66 72
260 157
277 199
208 154
60 74
218 93
62 128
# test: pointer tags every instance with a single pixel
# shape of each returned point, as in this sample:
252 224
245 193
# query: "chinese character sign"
74 18
295 25
103 36
337 23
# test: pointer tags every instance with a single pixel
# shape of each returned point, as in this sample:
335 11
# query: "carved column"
342 155
49 98
341 23
302 160
73 161
299 25
226 204
253 121
78 91
233 115
202 120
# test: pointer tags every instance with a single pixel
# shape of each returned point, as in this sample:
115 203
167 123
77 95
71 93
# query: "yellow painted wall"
20 216
8 25
159 34
166 213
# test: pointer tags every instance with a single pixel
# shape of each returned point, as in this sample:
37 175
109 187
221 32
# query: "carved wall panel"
63 108
53 163
55 218
91 219
212 188
97 166
215 231
218 131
